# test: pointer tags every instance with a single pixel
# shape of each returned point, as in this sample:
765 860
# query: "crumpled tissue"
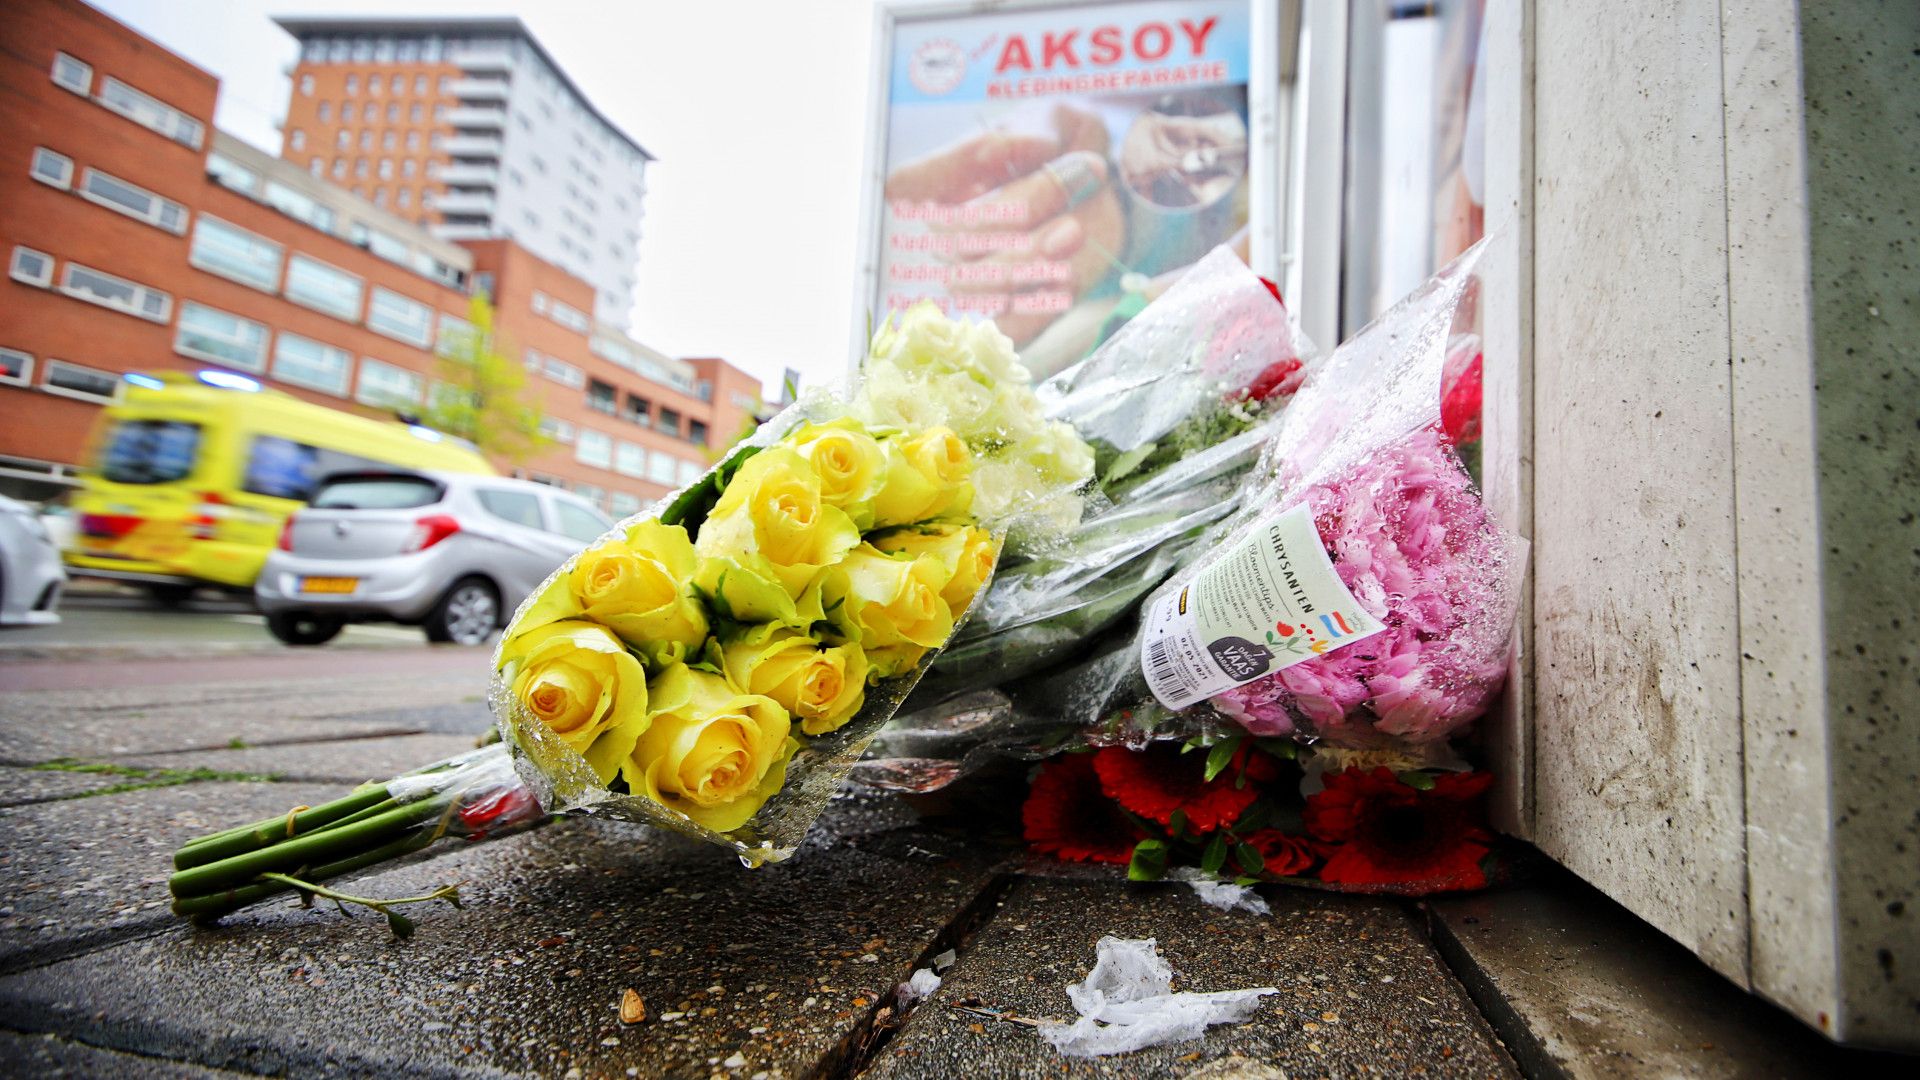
1127 1004
1217 893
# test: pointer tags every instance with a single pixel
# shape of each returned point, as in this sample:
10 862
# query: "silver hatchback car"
451 553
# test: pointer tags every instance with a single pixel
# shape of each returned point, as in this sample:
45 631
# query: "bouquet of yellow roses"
717 665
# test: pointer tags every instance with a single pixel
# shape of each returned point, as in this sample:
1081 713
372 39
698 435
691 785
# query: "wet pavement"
788 971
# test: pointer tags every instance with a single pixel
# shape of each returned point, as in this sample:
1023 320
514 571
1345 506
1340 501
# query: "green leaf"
1284 749
1129 461
1149 861
401 926
1417 780
1219 754
1177 824
1191 745
1254 816
1215 856
1249 858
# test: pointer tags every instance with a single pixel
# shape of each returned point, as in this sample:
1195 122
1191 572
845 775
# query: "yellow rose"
710 751
821 686
966 551
580 681
639 585
927 476
767 536
848 461
880 601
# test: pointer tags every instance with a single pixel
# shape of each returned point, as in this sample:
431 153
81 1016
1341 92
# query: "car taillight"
430 530
286 534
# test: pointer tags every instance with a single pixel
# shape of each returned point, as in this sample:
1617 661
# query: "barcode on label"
1166 680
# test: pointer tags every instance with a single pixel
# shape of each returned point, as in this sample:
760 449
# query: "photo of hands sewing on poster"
1061 220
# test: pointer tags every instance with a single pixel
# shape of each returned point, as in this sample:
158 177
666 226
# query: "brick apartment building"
138 238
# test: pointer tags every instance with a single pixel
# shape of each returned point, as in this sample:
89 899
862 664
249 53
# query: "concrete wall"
1702 342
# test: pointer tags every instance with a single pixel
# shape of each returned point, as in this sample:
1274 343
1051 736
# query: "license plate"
329 584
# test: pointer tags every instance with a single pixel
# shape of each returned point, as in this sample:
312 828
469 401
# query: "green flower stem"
213 905
301 851
273 831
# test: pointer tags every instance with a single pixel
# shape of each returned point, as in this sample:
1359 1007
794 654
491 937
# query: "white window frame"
443 345
259 363
25 378
660 469
160 203
346 369
560 431
14 272
420 340
271 288
568 375
624 450
371 366
163 118
588 436
85 86
689 472
41 153
78 395
320 304
134 309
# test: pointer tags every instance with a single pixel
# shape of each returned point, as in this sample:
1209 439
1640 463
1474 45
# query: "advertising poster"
1052 168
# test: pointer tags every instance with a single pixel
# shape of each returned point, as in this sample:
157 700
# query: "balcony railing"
480 146
462 174
464 202
481 89
478 117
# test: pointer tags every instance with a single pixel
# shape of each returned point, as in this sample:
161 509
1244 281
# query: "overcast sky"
756 110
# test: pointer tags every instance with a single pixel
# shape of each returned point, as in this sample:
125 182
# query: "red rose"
1279 377
1066 815
1286 855
1387 833
1460 404
499 809
1159 780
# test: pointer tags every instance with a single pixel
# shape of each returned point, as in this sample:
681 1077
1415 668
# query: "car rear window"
377 493
150 451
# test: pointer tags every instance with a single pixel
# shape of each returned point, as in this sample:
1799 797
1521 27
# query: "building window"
343 139
353 84
133 298
625 505
393 117
446 85
135 202
689 472
697 431
306 86
660 469
385 385
150 112
329 289
229 173
670 421
630 460
559 431
298 139
339 168
323 112
51 168
594 448
298 205
399 85
399 318
406 53
72 74
360 168
385 170
600 396
540 301
570 317
307 363
565 374
408 168
588 492
456 338
235 253
415 113
638 410
380 197
366 139
209 334
439 114
419 84
316 166
16 367
403 198
85 383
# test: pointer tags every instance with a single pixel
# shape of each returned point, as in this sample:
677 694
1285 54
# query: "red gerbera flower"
1159 780
1388 833
1066 815
1285 853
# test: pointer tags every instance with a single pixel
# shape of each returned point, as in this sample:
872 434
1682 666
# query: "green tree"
480 395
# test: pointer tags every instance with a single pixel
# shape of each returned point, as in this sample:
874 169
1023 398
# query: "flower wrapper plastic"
1177 406
701 708
1360 445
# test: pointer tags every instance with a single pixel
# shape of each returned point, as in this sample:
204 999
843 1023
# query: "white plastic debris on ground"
1127 1003
1225 895
920 986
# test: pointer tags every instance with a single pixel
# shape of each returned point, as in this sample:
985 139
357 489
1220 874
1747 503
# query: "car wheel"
170 596
303 627
467 615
